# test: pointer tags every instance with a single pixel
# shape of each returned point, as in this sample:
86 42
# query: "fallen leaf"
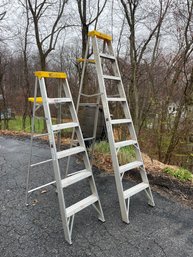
44 191
34 202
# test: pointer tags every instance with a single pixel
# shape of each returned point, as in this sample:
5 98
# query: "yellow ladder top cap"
50 74
85 60
100 35
38 100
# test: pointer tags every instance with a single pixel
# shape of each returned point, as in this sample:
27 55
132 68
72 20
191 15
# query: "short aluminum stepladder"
106 53
67 213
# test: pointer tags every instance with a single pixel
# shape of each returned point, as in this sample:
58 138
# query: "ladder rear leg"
148 192
150 197
97 204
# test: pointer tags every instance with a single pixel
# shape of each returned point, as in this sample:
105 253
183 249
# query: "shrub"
180 173
125 154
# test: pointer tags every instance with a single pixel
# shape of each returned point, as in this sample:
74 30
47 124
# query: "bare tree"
135 14
3 66
183 71
85 13
46 16
2 15
26 85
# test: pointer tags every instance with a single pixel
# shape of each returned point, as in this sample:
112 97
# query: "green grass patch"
181 173
125 154
16 124
102 147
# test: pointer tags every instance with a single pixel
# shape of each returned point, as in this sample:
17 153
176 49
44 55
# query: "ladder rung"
71 151
116 99
73 209
106 56
75 178
39 163
125 143
42 135
88 104
111 77
42 186
120 121
91 95
64 126
135 189
130 166
88 138
59 100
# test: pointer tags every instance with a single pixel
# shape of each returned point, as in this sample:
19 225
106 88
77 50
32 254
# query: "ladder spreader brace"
67 213
107 53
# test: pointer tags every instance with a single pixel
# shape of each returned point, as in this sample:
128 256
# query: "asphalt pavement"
36 230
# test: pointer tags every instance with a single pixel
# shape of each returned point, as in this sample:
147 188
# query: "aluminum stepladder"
67 213
107 53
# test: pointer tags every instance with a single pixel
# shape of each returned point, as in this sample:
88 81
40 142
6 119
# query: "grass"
102 147
180 173
16 124
125 154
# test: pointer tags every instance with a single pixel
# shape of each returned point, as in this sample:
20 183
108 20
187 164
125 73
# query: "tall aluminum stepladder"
67 213
108 54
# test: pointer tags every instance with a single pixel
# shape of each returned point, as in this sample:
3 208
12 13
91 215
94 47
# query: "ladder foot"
102 219
126 221
150 199
151 203
69 241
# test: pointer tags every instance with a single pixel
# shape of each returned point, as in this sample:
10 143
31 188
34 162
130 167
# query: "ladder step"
73 209
135 189
64 126
116 99
125 143
111 77
121 121
130 166
59 100
106 56
76 177
71 151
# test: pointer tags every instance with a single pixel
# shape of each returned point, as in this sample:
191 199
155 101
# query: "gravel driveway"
36 230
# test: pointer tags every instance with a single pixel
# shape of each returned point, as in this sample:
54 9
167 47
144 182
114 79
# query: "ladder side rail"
59 111
31 141
55 160
109 131
95 125
95 120
78 104
96 117
82 77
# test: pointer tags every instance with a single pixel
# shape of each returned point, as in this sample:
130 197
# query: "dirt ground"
161 182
